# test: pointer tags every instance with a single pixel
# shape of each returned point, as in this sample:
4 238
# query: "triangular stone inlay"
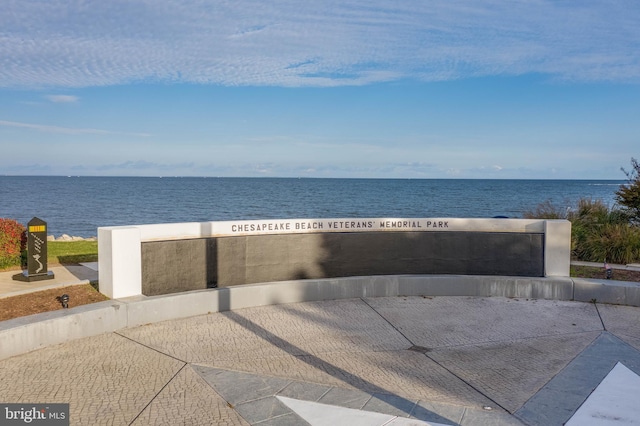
562 396
317 414
614 401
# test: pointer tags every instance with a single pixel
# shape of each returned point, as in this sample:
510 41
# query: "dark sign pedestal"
24 276
36 253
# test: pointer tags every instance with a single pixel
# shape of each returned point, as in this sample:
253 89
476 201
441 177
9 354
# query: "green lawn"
72 251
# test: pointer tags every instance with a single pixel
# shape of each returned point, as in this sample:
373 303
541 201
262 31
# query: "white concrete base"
180 305
119 261
26 334
557 248
607 291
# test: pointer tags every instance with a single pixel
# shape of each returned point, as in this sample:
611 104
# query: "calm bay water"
79 205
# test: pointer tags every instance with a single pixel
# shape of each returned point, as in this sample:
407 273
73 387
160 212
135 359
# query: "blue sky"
352 88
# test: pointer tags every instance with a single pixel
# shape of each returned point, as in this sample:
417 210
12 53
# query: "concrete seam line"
156 395
604 327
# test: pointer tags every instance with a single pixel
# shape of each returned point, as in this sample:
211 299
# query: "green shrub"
628 196
612 242
596 213
13 239
598 233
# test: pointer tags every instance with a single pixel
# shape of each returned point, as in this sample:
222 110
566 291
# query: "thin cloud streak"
331 43
62 99
66 130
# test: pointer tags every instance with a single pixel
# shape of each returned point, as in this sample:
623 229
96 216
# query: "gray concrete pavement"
445 360
448 360
64 275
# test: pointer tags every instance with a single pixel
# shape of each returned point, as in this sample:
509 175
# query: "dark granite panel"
180 265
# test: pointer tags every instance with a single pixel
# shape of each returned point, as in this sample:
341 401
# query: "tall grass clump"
546 210
598 233
628 195
13 240
612 242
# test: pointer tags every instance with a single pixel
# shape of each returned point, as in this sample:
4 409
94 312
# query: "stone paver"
456 321
621 320
484 418
106 379
189 400
440 359
273 331
511 372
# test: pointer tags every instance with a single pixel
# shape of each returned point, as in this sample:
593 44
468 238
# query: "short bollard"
608 272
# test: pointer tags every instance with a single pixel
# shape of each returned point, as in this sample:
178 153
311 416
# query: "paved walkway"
445 360
394 361
64 275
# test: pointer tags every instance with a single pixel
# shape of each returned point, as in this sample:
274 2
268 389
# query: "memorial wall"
173 258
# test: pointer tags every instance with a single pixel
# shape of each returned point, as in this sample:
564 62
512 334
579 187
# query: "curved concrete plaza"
400 360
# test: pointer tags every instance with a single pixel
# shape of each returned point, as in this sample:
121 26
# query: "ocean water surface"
79 205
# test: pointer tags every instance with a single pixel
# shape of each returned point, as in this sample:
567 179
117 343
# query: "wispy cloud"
62 99
145 166
329 43
66 130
